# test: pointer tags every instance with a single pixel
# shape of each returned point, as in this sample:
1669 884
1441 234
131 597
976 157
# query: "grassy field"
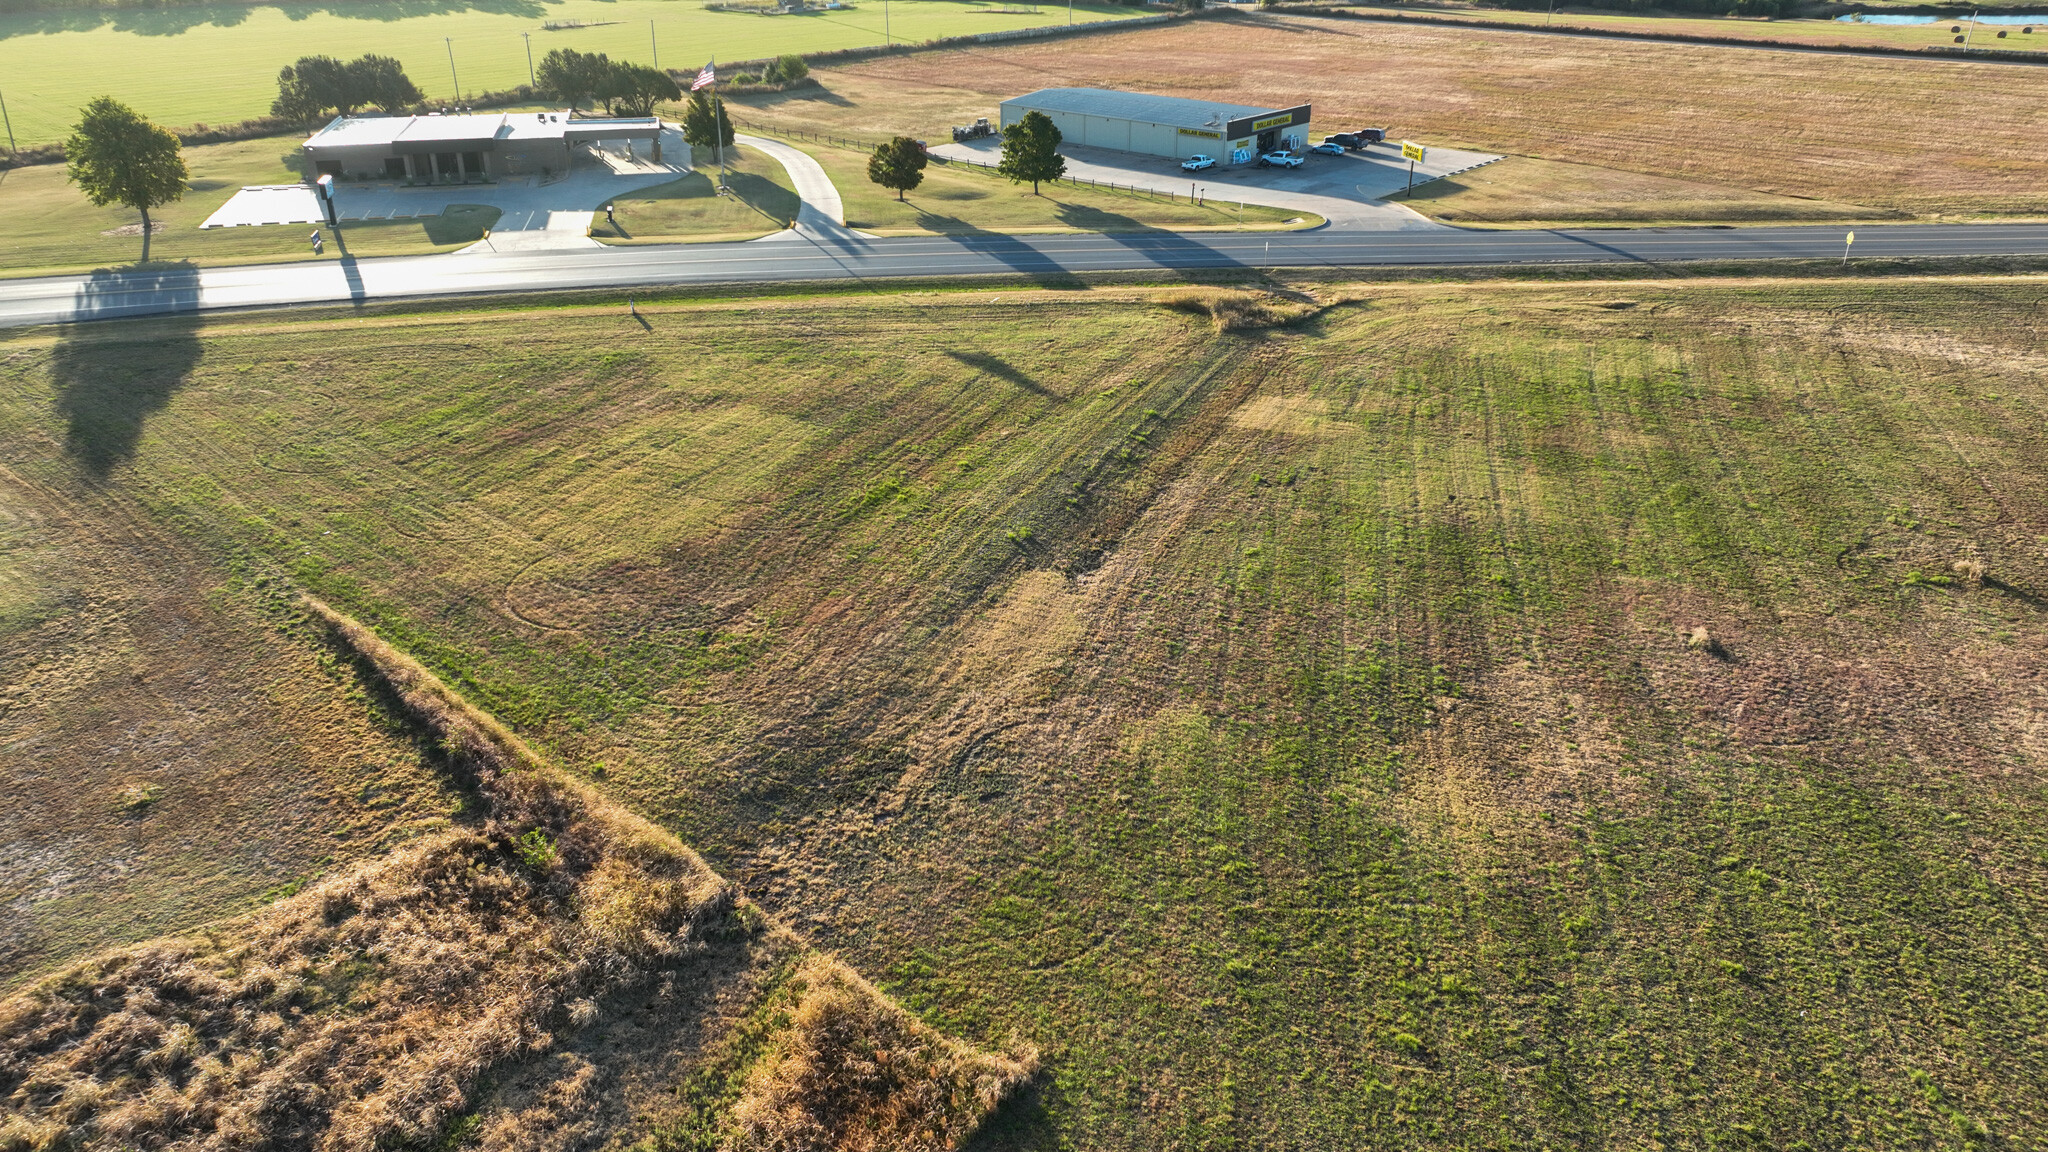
958 199
2018 38
217 63
1427 715
1873 134
47 226
691 208
1522 192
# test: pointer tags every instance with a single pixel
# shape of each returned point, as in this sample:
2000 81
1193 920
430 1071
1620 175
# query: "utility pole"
11 149
886 38
1972 31
656 43
530 81
1070 12
1549 14
450 42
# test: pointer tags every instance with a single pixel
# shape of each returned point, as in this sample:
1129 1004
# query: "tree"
634 89
117 157
786 70
310 87
573 77
1031 151
898 165
317 84
381 80
705 124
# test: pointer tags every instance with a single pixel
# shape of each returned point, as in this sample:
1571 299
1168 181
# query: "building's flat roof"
421 133
1144 106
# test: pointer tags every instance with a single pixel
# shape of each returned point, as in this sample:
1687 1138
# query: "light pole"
450 42
886 39
1070 11
656 43
528 37
11 149
1972 32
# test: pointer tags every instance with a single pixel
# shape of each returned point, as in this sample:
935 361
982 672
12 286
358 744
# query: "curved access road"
1048 259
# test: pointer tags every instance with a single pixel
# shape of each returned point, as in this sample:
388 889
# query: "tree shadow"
814 93
996 366
1096 220
1021 1122
174 19
109 380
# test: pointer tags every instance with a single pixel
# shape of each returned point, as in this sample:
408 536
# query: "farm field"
48 226
1585 715
1735 121
2018 38
217 63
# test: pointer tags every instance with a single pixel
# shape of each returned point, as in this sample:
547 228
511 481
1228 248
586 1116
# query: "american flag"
705 78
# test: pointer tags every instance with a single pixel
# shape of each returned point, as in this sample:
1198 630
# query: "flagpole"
718 122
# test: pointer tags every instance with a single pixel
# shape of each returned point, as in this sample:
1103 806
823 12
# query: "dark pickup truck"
1359 140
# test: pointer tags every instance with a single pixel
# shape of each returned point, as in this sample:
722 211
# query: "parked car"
1197 163
1326 148
1281 160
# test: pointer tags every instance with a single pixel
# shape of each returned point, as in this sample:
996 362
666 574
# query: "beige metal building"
438 149
1164 125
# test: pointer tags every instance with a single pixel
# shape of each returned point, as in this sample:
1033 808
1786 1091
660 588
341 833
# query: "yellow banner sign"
1202 134
1410 150
1272 122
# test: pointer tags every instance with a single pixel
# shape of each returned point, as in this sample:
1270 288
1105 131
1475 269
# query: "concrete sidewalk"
1349 191
820 213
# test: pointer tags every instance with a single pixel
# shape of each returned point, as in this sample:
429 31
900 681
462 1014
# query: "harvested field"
1448 716
488 987
1876 133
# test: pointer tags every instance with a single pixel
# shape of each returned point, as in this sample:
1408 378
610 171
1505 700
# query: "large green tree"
118 157
898 165
705 123
634 89
316 85
574 77
1031 151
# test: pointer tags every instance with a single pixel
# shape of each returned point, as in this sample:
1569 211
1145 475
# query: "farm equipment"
974 131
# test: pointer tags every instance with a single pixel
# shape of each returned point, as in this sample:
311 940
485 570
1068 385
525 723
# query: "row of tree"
319 86
1030 152
576 78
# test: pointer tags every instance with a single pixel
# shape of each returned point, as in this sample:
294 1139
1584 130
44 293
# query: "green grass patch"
217 63
47 225
760 200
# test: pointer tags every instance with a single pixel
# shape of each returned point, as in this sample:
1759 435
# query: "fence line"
870 146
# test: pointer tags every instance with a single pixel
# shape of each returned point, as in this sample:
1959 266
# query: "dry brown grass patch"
852 1073
1235 310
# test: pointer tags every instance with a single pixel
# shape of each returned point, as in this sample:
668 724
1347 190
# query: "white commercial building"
1164 125
458 149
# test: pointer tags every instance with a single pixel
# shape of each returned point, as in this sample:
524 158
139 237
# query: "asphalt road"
121 293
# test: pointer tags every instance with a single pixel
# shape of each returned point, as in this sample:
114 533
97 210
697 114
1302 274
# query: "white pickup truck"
1197 163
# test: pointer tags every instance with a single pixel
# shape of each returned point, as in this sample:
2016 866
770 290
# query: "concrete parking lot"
1349 190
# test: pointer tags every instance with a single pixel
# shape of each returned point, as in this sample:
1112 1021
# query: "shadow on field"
108 382
173 19
996 366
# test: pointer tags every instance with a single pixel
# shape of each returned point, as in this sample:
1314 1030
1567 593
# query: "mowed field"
1934 34
1928 138
217 63
1432 716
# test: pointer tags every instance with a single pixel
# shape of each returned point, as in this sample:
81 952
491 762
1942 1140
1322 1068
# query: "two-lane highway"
801 257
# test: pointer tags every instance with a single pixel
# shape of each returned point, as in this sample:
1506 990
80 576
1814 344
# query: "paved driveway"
1347 190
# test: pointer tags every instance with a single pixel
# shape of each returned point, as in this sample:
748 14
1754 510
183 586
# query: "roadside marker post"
1846 241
